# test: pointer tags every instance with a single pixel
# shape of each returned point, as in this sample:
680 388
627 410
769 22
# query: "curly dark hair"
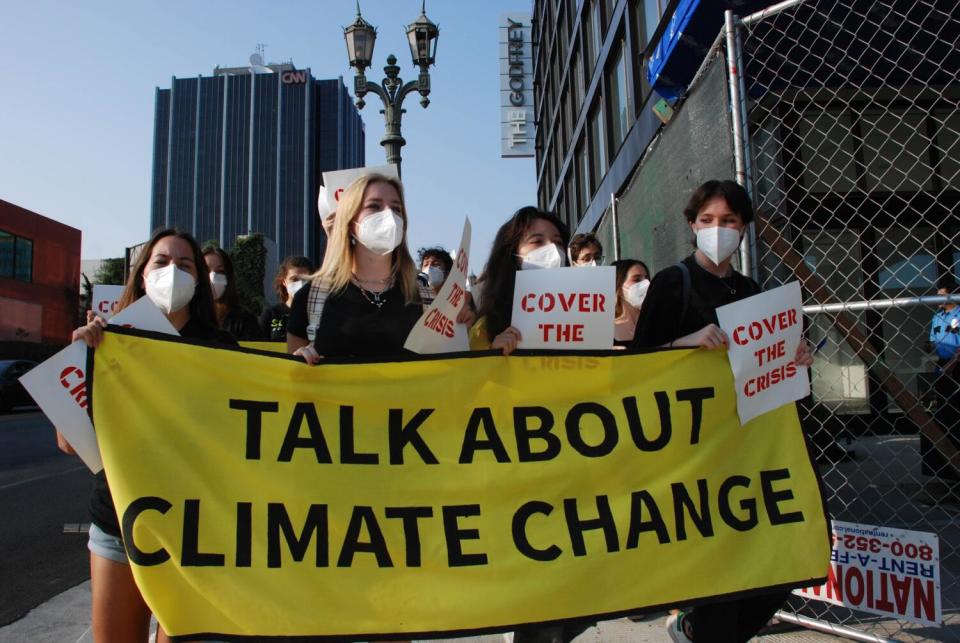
439 253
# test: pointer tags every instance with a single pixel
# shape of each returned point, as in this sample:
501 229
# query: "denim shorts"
106 546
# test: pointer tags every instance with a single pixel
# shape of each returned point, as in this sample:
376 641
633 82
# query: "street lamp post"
422 37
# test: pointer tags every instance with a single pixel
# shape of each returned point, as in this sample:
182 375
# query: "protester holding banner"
172 273
633 279
230 314
530 239
293 273
585 250
679 311
365 298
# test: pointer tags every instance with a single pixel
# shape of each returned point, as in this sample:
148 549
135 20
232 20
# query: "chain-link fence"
851 131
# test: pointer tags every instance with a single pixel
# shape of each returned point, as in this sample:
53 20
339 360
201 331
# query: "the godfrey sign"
517 131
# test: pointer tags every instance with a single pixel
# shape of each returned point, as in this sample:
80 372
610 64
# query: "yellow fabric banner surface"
270 347
261 497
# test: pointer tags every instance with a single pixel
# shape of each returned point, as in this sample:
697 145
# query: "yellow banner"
271 347
262 497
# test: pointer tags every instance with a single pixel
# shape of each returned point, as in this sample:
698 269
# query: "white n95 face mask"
636 293
218 283
293 287
717 242
435 276
548 256
381 232
170 288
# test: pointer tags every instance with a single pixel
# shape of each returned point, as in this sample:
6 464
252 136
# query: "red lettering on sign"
581 302
78 392
767 380
754 331
561 332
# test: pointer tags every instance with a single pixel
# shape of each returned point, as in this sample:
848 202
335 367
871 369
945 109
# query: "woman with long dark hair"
633 279
171 272
530 239
231 316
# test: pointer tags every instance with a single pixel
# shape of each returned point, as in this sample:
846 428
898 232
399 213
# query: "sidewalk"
66 619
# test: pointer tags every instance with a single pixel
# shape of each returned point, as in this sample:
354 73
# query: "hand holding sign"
568 308
767 354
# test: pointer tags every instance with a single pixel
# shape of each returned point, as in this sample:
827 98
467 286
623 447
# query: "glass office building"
242 152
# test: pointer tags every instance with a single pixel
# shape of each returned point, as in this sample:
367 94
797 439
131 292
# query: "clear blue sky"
77 100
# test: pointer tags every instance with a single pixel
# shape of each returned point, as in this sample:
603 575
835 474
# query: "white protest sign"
334 183
764 332
569 308
59 385
890 572
105 299
437 330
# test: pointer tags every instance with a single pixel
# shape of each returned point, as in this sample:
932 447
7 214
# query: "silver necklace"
376 298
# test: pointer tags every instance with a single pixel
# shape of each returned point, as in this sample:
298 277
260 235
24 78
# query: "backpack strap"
684 292
315 301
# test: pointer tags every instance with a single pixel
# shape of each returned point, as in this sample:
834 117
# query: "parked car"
12 392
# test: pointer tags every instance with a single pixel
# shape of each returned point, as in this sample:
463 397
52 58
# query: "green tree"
249 257
110 272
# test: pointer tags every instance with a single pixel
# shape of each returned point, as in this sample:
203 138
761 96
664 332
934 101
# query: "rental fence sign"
890 572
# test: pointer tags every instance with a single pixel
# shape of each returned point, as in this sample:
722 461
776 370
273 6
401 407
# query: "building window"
618 93
576 82
16 257
597 31
598 147
583 176
652 12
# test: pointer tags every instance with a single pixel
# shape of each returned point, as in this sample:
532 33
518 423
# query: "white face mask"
435 276
170 288
218 283
589 264
381 232
636 292
293 287
717 242
548 256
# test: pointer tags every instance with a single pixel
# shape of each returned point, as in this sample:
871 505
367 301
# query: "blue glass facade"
241 153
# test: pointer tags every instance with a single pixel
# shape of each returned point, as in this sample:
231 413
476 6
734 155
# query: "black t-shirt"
102 510
659 322
242 325
352 326
273 323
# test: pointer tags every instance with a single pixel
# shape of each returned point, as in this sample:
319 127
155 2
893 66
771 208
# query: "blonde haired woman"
364 300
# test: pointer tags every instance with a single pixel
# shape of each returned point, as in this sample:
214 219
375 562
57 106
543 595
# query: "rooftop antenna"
257 64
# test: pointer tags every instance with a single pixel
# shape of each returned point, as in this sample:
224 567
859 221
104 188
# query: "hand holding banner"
569 308
764 332
437 331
